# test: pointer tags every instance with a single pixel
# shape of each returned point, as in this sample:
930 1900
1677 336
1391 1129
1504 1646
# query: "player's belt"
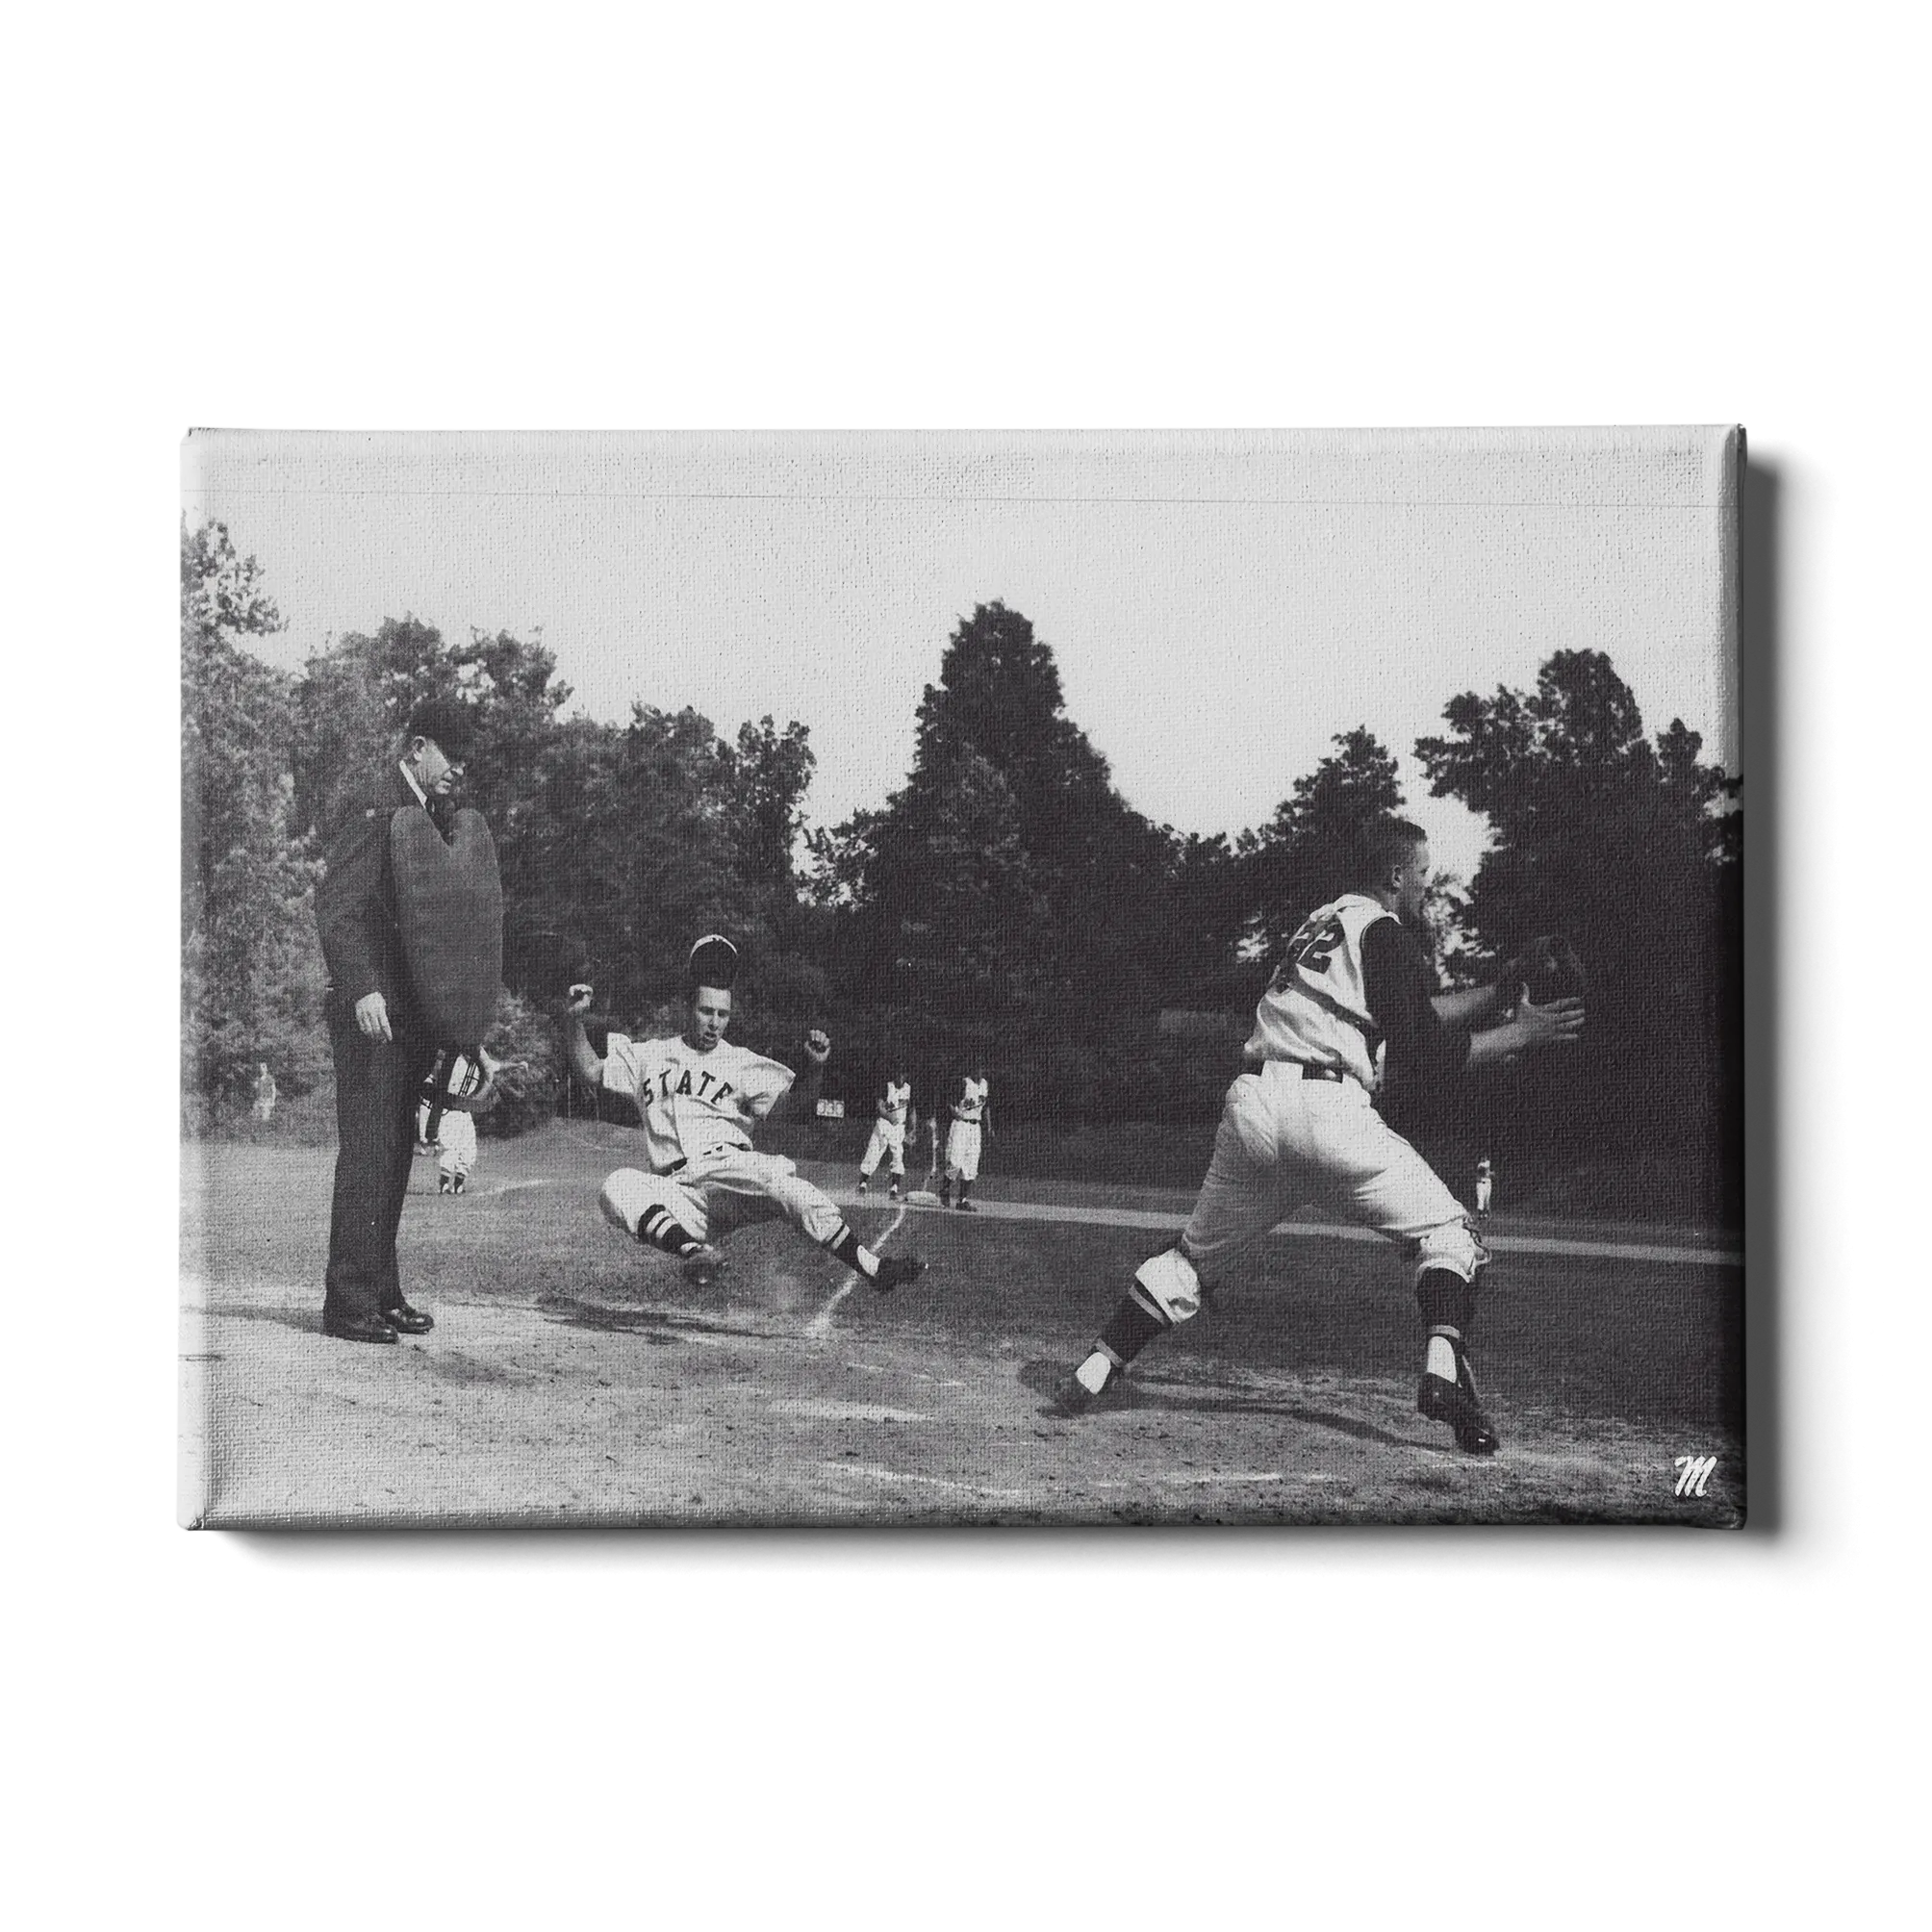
1311 1072
723 1147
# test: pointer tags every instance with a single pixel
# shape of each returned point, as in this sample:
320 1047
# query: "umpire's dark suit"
376 1081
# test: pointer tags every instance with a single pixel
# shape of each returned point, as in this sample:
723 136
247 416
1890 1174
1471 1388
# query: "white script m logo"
1693 1472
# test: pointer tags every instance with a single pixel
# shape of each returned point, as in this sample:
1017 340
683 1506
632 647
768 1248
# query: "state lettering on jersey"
693 1103
1315 1010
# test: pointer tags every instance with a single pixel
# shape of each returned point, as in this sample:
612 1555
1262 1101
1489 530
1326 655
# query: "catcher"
1300 1127
460 1087
700 1097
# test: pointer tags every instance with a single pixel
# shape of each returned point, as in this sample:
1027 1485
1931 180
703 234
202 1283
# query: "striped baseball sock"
846 1245
656 1228
1448 1305
1129 1331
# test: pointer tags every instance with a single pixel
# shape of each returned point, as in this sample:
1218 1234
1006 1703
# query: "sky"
1220 605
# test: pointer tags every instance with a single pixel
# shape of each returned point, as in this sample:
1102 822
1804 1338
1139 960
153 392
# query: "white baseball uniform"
1486 1183
888 1130
962 1137
699 1109
455 1138
1300 1130
444 1119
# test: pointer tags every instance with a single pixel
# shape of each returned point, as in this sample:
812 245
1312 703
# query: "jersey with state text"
897 1097
1317 1006
972 1102
693 1103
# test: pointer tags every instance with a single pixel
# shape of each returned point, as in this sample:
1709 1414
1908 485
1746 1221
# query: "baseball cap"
448 723
713 962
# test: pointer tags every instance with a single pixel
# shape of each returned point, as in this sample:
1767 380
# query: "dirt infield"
573 1379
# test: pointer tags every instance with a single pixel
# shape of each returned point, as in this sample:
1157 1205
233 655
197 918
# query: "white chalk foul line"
1159 1223
820 1327
872 1472
1156 1221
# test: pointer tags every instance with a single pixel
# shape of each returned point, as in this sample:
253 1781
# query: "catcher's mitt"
1554 970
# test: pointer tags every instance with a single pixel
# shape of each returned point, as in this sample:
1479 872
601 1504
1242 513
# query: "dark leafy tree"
251 975
1633 846
1301 857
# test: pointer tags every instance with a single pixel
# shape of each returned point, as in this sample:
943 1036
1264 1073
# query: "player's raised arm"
583 1063
1473 1006
801 1097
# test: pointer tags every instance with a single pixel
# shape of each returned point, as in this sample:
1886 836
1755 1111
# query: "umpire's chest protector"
450 910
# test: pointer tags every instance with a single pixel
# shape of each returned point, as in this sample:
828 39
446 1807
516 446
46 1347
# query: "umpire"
381 1046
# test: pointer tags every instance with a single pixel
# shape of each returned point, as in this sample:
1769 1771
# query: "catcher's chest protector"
450 907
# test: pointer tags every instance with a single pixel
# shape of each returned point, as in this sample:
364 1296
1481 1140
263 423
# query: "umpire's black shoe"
357 1328
406 1320
896 1270
1456 1404
966 1207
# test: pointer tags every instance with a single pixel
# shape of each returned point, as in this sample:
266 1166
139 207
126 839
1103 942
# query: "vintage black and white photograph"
961 978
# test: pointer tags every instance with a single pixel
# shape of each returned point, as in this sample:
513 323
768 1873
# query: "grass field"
574 1378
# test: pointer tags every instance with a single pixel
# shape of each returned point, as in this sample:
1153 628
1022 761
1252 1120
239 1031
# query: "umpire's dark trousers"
377 1086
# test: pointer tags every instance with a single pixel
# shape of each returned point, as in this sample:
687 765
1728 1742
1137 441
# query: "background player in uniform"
1485 1184
451 1131
1300 1127
701 1096
266 1094
893 1119
971 1117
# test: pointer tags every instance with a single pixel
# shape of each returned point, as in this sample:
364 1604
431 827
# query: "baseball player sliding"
889 1125
700 1097
972 1118
1300 1129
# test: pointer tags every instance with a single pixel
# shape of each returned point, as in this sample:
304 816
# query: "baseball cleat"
458 1185
1072 1397
1455 1402
864 1186
892 1192
966 1207
703 1265
443 1185
896 1270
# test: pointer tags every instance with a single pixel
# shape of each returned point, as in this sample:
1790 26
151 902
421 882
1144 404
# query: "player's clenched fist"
579 1000
818 1047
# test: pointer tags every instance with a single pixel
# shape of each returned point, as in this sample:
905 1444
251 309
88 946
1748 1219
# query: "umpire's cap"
446 723
713 962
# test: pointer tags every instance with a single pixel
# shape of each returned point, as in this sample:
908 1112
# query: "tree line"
1005 904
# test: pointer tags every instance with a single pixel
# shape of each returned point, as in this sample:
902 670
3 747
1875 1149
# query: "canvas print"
961 978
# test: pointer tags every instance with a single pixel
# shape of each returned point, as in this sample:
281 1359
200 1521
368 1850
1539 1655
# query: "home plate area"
572 1378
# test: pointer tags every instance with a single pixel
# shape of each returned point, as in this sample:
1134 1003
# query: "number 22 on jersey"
1311 948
